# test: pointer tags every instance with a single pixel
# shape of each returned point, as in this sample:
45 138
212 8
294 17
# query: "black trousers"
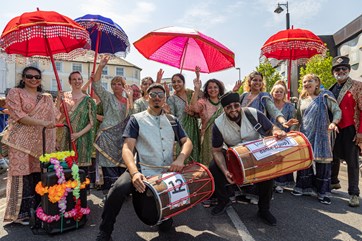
113 204
346 149
223 190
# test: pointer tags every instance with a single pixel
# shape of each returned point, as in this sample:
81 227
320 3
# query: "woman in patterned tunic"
109 139
30 111
255 97
179 104
208 108
142 103
279 94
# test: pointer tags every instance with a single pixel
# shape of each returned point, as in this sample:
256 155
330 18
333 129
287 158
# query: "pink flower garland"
62 203
53 218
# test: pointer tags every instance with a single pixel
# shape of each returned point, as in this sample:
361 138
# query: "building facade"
10 72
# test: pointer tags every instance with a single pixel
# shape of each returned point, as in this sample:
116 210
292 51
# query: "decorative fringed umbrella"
293 44
106 35
44 33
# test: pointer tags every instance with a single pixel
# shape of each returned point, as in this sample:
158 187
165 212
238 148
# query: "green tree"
271 75
320 66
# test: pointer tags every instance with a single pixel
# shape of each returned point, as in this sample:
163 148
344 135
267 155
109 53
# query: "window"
105 85
120 71
59 66
136 74
105 71
77 67
53 85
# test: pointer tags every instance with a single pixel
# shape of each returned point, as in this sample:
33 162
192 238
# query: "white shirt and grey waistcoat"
154 141
233 134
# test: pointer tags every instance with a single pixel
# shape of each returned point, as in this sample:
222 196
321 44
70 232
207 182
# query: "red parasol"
293 44
185 48
44 33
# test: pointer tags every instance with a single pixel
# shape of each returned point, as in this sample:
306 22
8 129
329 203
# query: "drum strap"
174 127
257 126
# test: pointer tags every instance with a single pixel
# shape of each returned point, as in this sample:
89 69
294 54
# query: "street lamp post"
279 9
239 73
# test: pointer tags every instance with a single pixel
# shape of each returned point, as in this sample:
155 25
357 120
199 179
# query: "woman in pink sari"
30 111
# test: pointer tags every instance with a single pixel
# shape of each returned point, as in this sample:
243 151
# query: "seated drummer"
232 128
151 134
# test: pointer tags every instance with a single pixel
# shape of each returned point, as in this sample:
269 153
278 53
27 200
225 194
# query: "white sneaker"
279 189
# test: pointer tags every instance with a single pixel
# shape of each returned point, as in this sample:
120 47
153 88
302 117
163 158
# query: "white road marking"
239 225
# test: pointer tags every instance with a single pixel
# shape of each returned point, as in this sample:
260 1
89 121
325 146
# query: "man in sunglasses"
232 128
348 142
152 135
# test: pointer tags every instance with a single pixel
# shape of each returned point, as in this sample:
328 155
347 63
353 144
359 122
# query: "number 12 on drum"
179 193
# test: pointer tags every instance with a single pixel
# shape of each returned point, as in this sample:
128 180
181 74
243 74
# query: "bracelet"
134 173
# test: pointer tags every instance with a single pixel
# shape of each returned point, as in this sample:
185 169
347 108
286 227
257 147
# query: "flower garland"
61 155
56 191
76 213
59 192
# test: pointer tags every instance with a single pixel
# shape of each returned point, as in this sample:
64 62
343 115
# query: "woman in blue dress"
312 113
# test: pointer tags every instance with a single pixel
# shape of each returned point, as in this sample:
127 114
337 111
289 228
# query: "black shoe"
103 236
220 208
166 225
268 217
325 200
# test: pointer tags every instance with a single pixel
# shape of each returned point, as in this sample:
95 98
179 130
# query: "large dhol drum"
268 158
172 193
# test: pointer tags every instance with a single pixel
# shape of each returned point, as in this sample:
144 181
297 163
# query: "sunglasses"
232 106
340 68
160 95
29 76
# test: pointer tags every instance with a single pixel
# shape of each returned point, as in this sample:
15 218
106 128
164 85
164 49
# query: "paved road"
299 218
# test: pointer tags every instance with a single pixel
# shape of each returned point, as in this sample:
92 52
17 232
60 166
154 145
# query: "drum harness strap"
173 123
256 125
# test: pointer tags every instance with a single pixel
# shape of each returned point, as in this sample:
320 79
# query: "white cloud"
207 14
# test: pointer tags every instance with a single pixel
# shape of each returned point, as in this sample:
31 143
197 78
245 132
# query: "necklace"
213 103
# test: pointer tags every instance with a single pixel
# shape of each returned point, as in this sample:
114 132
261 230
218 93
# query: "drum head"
146 206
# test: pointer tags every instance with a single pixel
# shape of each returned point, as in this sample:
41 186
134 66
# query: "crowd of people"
133 132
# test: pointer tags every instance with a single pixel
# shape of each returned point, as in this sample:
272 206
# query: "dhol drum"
172 193
268 158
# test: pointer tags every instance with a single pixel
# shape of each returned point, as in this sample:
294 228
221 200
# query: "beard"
234 118
340 76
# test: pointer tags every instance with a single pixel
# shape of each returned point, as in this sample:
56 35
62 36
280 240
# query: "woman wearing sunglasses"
116 112
30 110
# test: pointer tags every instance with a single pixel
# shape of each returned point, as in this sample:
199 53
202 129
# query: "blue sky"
242 25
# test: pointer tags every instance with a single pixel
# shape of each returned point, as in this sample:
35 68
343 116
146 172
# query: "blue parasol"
108 35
